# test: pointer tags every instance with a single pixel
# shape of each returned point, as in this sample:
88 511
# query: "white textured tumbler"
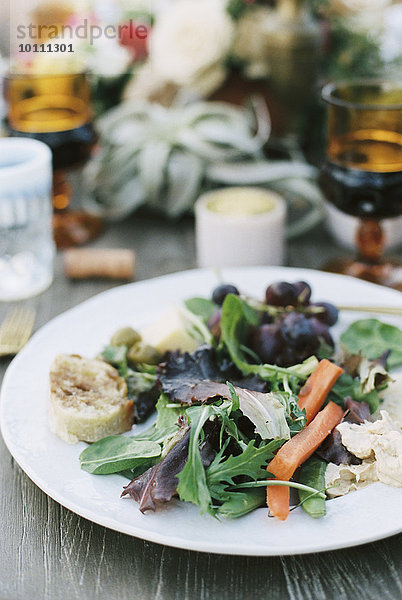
26 243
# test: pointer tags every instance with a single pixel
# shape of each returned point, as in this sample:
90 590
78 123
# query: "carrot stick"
294 452
317 387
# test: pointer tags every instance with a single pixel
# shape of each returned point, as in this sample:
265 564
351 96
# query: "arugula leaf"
192 479
202 307
251 463
234 397
295 416
372 338
117 453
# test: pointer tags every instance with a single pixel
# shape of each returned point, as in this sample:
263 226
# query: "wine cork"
87 263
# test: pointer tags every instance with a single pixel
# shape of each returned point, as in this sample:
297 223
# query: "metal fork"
16 329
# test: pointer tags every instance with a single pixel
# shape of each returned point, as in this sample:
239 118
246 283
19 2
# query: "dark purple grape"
266 342
297 331
303 291
292 356
220 292
265 318
214 324
288 357
281 293
321 330
329 315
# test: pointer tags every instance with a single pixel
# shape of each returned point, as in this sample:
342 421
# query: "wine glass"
56 109
362 173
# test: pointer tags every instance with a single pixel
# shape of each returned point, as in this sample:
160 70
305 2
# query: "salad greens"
348 386
117 453
222 412
372 338
141 382
237 318
202 307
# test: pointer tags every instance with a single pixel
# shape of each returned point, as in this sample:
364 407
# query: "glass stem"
370 240
62 191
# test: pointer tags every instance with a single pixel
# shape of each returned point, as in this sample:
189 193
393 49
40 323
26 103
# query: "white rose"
189 38
106 58
250 43
360 15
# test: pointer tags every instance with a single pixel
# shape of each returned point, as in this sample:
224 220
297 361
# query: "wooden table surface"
48 552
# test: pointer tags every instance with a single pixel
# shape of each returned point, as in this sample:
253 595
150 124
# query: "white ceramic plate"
364 516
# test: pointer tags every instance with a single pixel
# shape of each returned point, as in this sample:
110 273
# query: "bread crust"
88 399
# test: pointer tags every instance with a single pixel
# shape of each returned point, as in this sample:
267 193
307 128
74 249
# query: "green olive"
142 353
126 336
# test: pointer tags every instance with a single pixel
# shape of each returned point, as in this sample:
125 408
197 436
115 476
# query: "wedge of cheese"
88 399
170 332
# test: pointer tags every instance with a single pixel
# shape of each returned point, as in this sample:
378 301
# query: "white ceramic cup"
26 243
240 226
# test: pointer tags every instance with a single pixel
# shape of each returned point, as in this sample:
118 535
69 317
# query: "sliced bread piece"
88 399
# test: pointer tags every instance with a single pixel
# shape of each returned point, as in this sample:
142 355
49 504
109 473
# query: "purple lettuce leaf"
189 378
159 483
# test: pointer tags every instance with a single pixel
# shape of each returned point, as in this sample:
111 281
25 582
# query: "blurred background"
145 63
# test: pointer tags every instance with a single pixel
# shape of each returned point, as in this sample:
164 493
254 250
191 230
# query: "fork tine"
16 329
12 322
9 321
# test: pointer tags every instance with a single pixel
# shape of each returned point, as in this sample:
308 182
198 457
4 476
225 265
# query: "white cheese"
388 458
169 332
392 399
379 444
342 479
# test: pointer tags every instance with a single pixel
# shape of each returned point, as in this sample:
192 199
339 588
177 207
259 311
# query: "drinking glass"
26 244
56 109
362 173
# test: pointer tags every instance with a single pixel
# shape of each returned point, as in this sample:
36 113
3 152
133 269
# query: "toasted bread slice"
88 399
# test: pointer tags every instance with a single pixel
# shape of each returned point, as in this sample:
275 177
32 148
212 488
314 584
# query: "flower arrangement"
191 46
194 44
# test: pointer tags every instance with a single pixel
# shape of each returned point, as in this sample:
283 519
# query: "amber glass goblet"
56 109
362 173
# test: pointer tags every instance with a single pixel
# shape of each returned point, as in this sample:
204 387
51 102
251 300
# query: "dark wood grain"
49 553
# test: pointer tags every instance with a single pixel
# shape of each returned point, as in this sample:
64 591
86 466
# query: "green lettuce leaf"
372 338
192 485
202 307
237 318
117 453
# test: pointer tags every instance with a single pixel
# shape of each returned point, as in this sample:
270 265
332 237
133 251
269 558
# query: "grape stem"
275 311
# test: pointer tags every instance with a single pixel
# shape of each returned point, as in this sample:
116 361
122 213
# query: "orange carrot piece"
295 452
317 387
